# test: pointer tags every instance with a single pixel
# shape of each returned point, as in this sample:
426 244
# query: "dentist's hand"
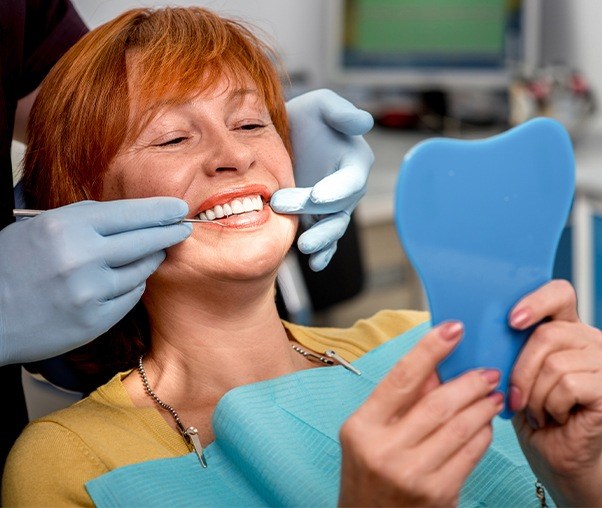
332 164
69 274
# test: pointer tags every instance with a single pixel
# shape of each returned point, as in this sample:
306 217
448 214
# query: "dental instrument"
24 212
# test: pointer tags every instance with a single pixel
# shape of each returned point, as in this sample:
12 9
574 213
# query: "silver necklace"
312 356
190 434
330 358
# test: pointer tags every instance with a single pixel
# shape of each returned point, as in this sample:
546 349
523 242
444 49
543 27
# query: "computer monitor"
431 44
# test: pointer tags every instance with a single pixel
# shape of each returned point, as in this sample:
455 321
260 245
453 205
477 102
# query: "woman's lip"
229 195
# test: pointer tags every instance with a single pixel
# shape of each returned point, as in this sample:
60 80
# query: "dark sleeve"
34 34
51 28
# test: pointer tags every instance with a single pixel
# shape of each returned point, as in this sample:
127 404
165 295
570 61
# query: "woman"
181 102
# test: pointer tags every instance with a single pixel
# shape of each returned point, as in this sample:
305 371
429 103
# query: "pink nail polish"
515 398
492 376
520 318
451 331
497 398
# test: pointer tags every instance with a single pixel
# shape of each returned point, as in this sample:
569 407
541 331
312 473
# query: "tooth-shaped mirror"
480 221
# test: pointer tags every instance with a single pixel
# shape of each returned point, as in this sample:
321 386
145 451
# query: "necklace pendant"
192 436
341 361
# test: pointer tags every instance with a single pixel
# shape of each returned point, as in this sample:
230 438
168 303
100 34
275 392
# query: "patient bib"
480 222
277 445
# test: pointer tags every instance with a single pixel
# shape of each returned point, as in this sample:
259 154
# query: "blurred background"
457 68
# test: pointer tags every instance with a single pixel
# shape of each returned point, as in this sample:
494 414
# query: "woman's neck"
204 344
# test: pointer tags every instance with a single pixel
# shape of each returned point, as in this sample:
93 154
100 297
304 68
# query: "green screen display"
428 32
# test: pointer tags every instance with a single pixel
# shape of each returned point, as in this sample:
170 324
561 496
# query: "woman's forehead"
178 89
146 106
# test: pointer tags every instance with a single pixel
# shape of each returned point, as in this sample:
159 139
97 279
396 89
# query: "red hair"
81 116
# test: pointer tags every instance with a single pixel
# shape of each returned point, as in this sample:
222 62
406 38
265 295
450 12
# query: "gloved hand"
69 274
332 164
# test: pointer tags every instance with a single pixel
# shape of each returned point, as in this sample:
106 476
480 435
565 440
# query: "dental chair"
43 397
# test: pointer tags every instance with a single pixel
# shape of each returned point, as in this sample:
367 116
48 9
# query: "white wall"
296 27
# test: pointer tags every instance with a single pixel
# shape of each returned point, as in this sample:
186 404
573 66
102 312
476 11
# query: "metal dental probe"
23 212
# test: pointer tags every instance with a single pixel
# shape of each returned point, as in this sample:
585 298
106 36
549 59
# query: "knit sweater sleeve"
32 472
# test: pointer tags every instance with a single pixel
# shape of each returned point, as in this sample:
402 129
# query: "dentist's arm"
69 274
332 164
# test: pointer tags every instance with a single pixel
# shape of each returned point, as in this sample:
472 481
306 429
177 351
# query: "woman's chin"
232 260
215 253
248 271
252 261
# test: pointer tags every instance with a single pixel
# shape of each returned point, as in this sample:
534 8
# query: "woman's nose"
227 152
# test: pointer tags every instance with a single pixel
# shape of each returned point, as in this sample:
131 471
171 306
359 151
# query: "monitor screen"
427 43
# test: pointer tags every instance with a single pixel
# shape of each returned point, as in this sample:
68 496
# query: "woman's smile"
235 207
240 208
244 213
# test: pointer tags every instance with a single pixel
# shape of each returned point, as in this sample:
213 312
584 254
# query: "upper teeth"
234 207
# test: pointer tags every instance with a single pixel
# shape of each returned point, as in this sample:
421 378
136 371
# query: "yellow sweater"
57 454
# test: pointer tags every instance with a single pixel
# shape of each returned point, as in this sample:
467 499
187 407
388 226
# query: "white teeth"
235 207
219 211
247 204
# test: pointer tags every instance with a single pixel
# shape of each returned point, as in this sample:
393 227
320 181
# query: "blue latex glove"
332 164
69 274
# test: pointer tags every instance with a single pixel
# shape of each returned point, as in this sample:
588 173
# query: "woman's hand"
415 441
556 387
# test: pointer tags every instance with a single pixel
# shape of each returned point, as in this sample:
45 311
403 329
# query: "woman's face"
221 154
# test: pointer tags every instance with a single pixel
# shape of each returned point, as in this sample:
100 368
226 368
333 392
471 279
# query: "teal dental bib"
277 445
480 221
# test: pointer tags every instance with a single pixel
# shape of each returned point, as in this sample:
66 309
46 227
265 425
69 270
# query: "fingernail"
531 420
451 331
492 376
515 398
497 398
520 318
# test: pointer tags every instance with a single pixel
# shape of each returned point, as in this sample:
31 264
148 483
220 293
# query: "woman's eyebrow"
239 95
243 92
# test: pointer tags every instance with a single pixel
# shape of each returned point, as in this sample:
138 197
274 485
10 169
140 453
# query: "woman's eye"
251 126
173 141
